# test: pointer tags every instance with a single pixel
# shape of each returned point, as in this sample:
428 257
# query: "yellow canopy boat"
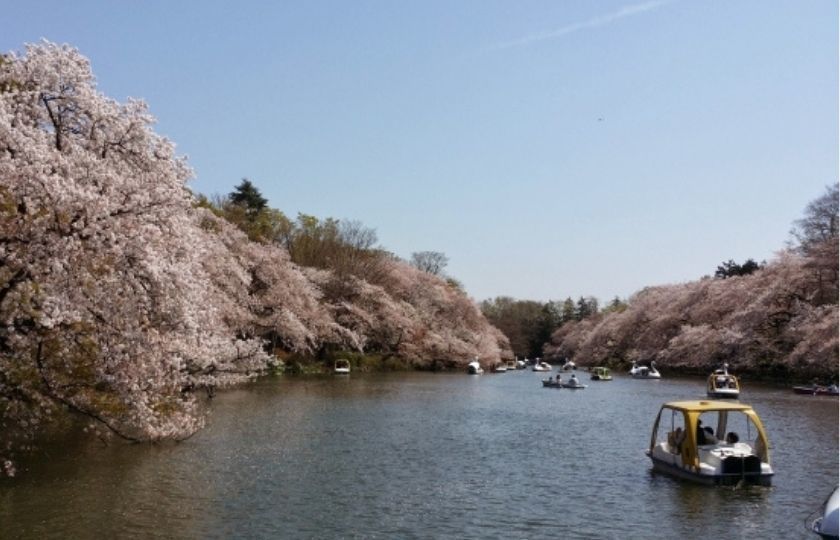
713 442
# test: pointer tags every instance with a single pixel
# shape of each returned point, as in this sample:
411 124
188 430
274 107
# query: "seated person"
731 437
705 434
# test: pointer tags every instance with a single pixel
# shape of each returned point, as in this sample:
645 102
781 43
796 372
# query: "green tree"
249 197
567 311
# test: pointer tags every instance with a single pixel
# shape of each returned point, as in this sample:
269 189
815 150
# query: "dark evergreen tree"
248 196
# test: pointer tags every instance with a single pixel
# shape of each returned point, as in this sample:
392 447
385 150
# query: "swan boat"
342 367
569 366
827 524
541 366
682 447
722 384
474 368
645 372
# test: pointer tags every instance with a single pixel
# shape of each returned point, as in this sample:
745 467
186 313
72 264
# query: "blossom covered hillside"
122 299
780 320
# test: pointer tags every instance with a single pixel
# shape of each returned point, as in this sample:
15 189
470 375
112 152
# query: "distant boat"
644 372
474 368
511 365
721 384
569 366
601 374
542 366
552 383
500 368
817 390
342 367
574 384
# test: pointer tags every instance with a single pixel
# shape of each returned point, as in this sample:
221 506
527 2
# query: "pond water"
424 455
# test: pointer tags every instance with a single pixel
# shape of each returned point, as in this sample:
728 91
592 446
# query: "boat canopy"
691 411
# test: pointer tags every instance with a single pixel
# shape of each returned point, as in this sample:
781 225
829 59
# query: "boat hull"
759 479
723 394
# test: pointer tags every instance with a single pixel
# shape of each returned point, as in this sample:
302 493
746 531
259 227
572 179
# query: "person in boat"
732 437
573 380
705 435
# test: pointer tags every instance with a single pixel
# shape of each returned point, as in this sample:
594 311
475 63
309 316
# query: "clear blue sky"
550 149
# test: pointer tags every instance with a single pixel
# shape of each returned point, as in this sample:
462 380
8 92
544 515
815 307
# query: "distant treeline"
528 324
776 319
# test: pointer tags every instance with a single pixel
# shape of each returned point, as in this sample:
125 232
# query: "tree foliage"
247 196
730 268
433 262
781 318
124 298
526 323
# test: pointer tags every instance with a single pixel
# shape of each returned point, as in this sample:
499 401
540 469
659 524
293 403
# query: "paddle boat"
521 364
827 524
722 384
341 367
732 449
569 366
511 365
817 390
500 368
644 372
574 384
600 374
541 366
474 368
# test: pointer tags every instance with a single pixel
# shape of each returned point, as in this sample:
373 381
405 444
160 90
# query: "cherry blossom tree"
103 292
123 298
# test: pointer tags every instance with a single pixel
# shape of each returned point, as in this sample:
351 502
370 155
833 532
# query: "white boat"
521 364
541 366
827 524
474 368
511 365
569 366
722 384
500 368
733 448
341 367
644 372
